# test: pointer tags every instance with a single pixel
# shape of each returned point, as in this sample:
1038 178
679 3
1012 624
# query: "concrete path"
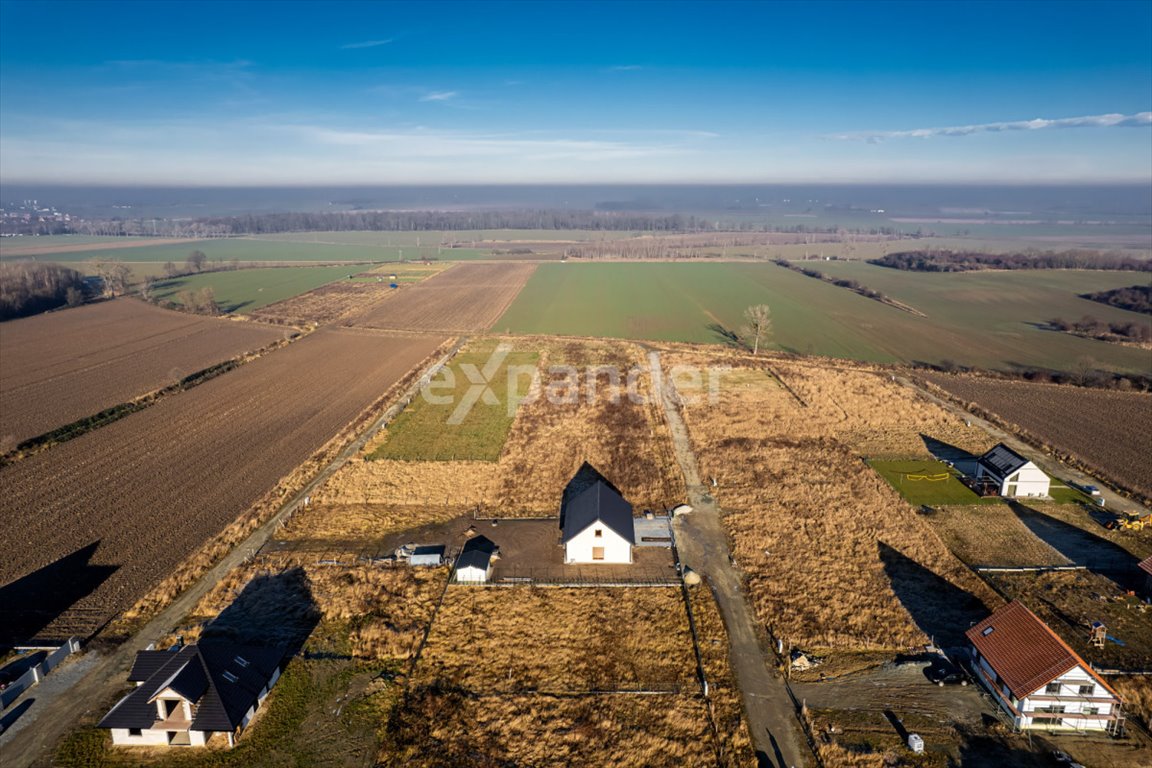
703 546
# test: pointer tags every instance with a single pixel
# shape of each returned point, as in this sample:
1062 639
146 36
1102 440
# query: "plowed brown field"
60 367
153 487
1107 431
467 297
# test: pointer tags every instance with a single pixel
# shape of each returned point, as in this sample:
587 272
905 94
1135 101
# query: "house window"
1087 690
1091 710
1056 709
1052 688
135 732
597 553
1049 722
599 534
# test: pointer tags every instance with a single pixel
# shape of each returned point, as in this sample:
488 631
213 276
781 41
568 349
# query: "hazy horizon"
392 94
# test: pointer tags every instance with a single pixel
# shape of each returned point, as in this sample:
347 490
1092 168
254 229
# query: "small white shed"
427 555
474 565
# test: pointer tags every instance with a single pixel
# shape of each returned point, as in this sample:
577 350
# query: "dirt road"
95 677
703 546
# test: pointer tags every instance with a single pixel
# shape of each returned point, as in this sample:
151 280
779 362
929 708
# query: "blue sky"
214 93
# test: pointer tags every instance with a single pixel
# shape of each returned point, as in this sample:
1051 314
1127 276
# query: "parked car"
1091 490
944 672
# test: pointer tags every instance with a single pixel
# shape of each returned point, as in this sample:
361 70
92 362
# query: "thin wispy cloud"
367 44
624 68
1110 120
439 96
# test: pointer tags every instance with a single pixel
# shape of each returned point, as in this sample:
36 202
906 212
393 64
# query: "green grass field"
990 320
425 431
245 290
924 481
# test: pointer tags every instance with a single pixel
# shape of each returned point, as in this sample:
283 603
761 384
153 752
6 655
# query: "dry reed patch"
834 558
727 708
992 535
363 481
1136 691
589 419
356 527
386 610
559 640
436 726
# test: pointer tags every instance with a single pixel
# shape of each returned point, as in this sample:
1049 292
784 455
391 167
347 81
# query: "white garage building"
1012 474
597 526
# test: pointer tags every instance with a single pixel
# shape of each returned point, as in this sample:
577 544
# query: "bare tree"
195 261
759 324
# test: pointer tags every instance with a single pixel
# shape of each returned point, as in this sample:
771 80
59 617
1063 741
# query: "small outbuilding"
1013 475
427 555
474 564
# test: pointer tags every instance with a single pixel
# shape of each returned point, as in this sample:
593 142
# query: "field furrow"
60 367
468 297
93 523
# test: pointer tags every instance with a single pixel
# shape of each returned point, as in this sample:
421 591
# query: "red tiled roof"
1146 565
1024 651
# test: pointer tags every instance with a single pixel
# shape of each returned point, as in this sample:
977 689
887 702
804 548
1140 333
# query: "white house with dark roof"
1037 678
186 694
596 521
1013 475
474 563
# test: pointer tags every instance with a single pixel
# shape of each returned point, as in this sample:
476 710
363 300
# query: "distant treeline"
28 287
1137 298
416 221
963 261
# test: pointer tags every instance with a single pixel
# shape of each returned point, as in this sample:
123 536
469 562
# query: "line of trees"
1103 330
964 261
1137 298
28 287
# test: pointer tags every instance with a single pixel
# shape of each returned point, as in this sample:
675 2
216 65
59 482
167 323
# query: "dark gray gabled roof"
221 679
477 552
429 549
599 502
1002 460
148 662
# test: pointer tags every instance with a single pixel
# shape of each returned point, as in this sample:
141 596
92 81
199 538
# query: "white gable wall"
1068 708
1028 481
581 547
473 574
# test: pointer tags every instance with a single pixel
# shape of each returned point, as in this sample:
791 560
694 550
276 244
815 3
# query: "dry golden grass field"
992 535
381 612
834 559
438 727
560 640
550 674
548 441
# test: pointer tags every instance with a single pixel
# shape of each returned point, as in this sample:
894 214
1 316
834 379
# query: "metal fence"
37 672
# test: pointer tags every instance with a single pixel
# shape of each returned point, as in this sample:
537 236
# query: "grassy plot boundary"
245 290
928 482
466 411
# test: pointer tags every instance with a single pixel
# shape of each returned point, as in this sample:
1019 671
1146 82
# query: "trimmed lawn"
923 481
439 425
